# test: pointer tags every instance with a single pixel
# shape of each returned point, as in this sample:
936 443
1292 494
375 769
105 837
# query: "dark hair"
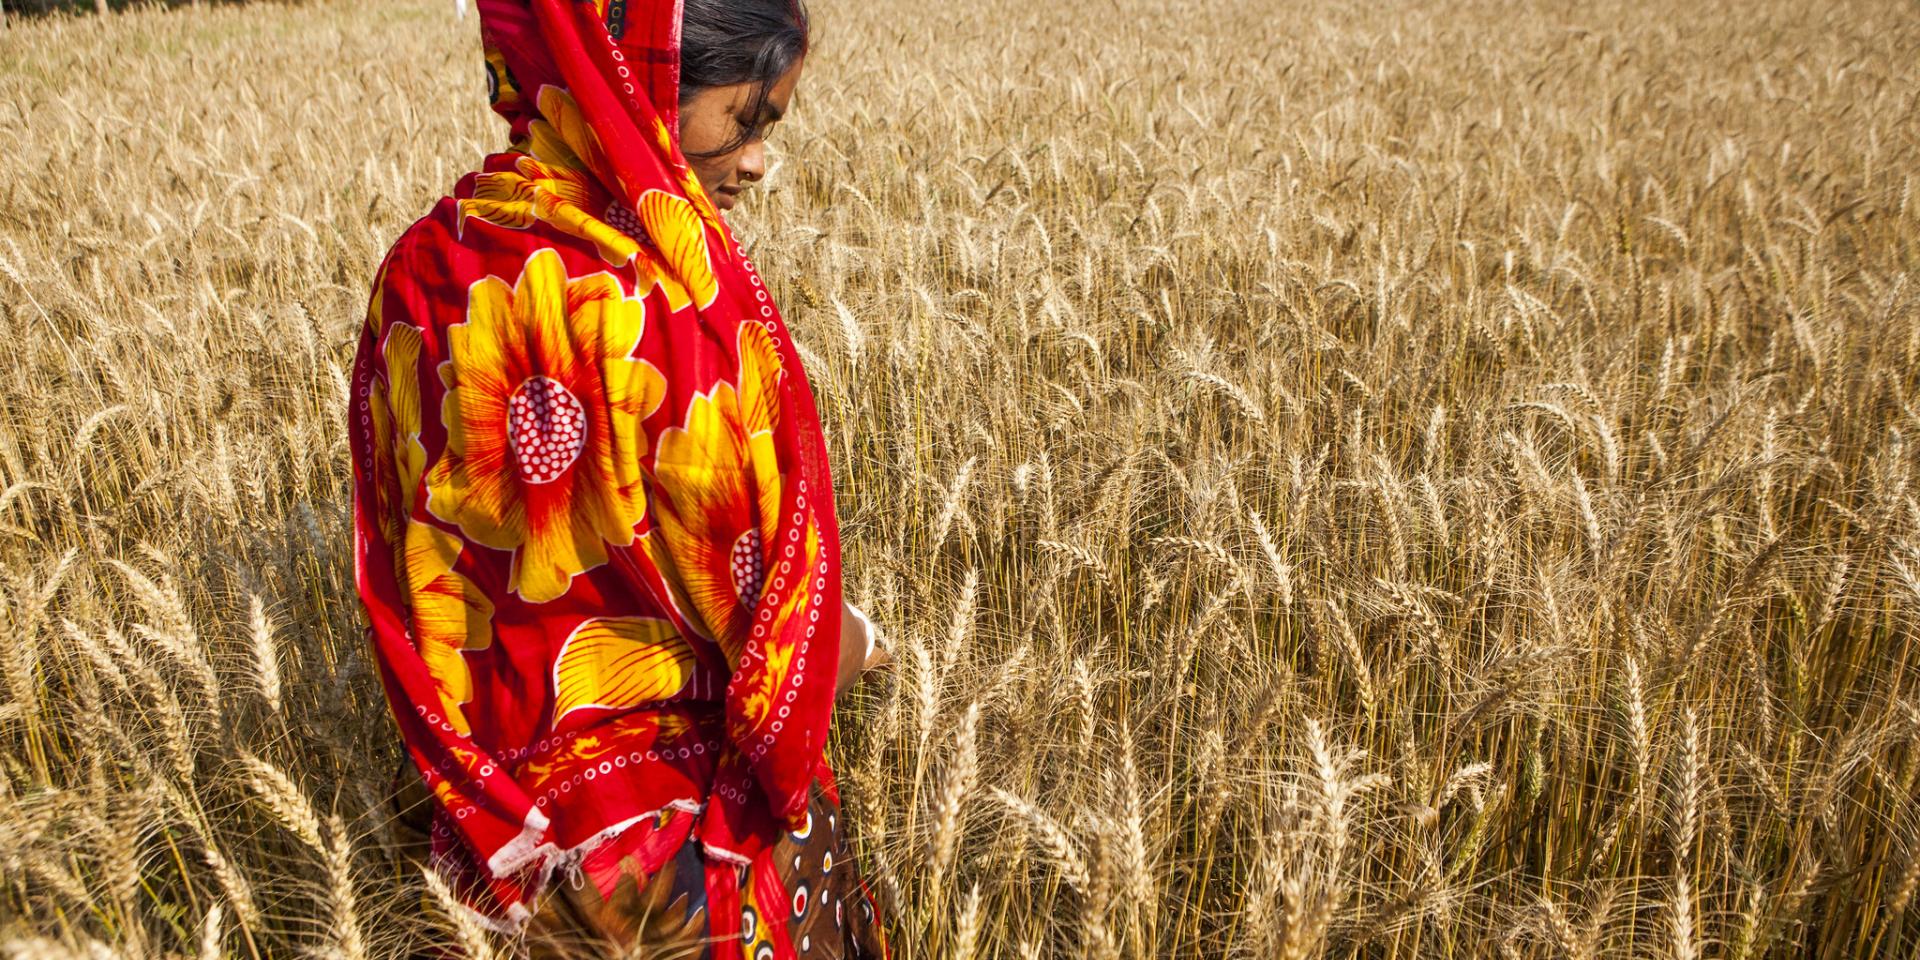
723 42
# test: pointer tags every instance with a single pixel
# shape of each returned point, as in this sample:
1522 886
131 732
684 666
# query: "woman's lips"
723 198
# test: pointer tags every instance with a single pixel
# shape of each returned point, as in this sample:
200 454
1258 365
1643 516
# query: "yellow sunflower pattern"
718 506
543 413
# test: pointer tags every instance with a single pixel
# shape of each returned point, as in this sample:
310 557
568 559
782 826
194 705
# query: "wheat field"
1341 479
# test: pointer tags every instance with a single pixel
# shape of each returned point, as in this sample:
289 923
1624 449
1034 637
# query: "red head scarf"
594 526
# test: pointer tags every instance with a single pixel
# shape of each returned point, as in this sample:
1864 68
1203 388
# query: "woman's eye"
753 131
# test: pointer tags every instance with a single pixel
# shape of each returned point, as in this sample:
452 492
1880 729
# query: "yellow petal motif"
569 218
472 485
450 615
680 234
650 271
383 467
550 192
690 185
377 306
403 362
760 372
380 419
503 90
756 700
403 399
503 198
618 662
562 135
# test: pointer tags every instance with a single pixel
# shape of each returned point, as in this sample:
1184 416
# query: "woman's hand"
860 649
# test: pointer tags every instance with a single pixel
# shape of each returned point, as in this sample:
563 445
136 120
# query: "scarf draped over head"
594 526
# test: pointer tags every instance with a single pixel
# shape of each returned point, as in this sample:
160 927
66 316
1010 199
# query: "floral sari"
594 525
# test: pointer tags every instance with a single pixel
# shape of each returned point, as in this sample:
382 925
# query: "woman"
594 525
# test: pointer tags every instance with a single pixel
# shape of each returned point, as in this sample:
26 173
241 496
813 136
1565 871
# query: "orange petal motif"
618 662
677 229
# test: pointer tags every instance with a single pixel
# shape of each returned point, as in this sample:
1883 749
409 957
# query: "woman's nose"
753 161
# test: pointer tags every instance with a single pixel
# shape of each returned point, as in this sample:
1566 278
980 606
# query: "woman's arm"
860 649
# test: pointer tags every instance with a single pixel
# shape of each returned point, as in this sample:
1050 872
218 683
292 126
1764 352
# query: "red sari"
594 525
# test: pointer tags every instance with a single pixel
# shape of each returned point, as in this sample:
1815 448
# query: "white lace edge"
545 859
515 854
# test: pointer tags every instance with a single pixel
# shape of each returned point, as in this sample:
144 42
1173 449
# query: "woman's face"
717 115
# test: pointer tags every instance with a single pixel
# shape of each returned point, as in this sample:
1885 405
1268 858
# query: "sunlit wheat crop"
1341 479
